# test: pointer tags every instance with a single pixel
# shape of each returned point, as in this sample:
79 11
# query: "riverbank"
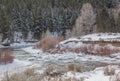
94 65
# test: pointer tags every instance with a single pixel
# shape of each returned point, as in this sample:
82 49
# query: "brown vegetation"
94 49
29 71
109 71
48 43
76 68
48 70
50 74
116 77
113 42
6 56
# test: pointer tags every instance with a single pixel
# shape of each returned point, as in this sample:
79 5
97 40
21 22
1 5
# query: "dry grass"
28 75
71 79
6 56
100 50
29 71
48 70
76 67
15 77
116 77
109 71
94 49
55 71
48 43
50 74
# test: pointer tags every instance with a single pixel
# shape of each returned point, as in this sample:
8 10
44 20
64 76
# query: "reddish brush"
48 43
6 56
89 49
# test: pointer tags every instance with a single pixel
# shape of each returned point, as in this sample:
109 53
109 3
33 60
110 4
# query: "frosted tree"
68 34
47 34
88 18
77 30
116 11
85 24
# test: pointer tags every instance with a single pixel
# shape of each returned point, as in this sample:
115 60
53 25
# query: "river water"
41 60
44 60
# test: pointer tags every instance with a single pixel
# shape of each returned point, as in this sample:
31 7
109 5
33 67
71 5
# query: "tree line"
34 17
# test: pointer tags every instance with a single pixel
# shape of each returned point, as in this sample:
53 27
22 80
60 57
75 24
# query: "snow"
71 44
13 67
97 74
18 36
6 41
18 45
102 36
31 50
79 42
68 56
21 44
116 55
70 39
37 55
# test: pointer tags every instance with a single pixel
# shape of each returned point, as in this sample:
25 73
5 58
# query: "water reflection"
6 56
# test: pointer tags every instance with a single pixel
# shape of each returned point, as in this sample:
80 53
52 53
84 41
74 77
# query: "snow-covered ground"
40 55
96 37
40 59
16 66
31 50
97 74
19 45
68 57
78 42
102 36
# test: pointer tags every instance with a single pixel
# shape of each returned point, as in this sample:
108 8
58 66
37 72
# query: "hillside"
28 20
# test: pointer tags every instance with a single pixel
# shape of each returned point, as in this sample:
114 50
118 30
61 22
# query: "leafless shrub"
55 51
48 43
6 56
76 67
37 77
29 71
71 79
21 76
71 67
46 76
48 70
88 49
15 77
112 78
55 71
116 77
109 71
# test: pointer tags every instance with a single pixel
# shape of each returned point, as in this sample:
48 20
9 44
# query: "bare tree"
85 24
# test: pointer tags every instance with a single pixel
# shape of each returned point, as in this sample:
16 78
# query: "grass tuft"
109 71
